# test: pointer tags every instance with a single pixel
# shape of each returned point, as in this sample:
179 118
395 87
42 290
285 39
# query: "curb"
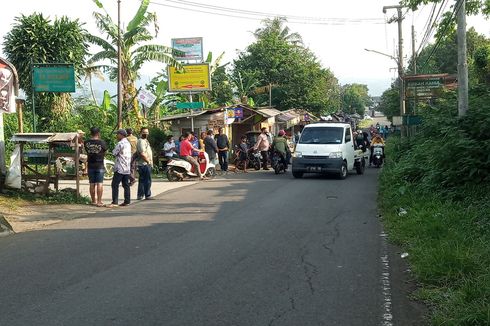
5 227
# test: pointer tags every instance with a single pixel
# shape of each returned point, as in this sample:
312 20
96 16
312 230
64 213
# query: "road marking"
386 283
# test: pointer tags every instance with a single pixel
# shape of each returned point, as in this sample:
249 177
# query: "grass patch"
447 238
14 200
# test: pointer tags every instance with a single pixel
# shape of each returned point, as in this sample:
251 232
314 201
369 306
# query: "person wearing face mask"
145 164
169 147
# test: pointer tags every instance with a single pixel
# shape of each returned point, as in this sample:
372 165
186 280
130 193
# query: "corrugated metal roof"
269 112
63 137
184 115
44 138
286 116
32 137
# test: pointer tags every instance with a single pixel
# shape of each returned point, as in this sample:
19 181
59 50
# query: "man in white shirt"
169 147
122 169
263 145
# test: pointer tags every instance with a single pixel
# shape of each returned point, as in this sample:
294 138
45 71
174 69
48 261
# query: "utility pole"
119 71
400 56
414 52
462 60
414 62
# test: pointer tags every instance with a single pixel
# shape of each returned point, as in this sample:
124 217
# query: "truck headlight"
335 155
298 154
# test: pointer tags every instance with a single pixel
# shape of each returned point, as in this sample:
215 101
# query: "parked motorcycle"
253 159
179 169
378 155
278 163
66 166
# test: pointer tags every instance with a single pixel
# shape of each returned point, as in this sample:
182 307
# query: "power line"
455 11
255 15
430 29
265 14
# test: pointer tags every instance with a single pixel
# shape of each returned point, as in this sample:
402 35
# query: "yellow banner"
191 78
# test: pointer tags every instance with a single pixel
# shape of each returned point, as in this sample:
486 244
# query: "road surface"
255 249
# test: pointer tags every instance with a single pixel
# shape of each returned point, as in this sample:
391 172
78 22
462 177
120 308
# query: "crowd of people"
135 154
131 154
217 147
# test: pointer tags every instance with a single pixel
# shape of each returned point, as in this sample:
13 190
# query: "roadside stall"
46 158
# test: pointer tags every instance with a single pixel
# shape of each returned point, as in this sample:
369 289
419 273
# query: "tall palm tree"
134 49
276 26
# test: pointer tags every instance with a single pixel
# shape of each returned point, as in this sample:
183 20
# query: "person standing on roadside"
202 145
195 144
186 149
210 147
263 146
223 145
133 141
145 163
170 148
95 149
122 169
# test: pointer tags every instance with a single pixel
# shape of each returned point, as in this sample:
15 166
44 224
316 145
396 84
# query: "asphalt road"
255 249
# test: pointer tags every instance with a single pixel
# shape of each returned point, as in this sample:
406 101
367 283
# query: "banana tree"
134 50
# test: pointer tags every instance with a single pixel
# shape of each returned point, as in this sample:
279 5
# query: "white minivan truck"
327 148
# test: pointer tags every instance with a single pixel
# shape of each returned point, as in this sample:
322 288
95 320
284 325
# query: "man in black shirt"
223 146
95 148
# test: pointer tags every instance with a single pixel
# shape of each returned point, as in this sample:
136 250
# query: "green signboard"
56 78
190 105
412 120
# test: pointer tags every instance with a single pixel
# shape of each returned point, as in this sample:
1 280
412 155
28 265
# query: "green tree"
37 39
134 51
355 98
276 28
390 102
297 78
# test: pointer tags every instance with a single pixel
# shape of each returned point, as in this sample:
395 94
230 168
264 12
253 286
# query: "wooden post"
48 177
77 165
20 114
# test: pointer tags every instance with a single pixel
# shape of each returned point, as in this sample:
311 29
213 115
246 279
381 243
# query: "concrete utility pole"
119 71
414 52
414 62
462 60
400 56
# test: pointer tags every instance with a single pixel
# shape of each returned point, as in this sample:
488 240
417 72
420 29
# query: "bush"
442 178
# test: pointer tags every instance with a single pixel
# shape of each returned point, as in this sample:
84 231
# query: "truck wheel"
343 171
360 166
297 175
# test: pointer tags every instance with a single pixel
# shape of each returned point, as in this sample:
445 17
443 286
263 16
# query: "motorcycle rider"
280 146
377 140
186 150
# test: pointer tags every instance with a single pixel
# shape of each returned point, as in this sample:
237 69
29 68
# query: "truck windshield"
322 135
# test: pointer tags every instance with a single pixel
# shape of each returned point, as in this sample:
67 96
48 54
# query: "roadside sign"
397 121
191 78
234 113
190 105
191 48
412 120
428 86
53 77
146 98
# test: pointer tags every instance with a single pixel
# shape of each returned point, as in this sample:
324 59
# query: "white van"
327 148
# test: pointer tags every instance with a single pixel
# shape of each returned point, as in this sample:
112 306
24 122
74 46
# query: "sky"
339 47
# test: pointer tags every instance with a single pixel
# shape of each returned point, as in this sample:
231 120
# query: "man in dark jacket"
223 145
211 147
